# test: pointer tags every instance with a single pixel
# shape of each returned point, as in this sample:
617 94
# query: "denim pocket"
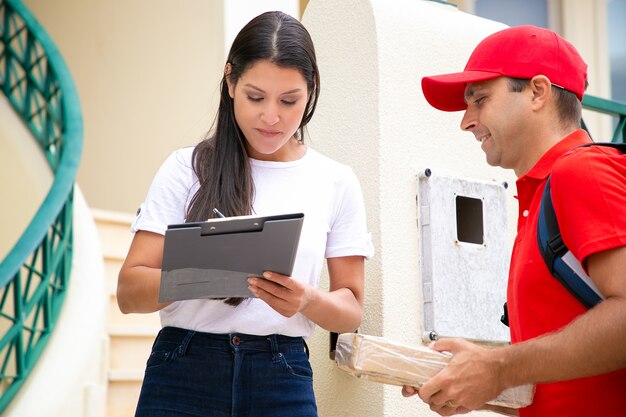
297 364
162 353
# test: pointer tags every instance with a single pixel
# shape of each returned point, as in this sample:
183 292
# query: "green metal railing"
612 108
34 275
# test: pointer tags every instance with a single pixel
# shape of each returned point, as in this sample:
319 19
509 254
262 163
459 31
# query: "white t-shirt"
327 192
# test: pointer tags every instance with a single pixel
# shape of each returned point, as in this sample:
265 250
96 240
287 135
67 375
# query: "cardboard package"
380 360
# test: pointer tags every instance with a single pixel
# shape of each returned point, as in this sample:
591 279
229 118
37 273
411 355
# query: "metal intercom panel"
464 256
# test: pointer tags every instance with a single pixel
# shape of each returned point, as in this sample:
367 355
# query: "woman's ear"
231 87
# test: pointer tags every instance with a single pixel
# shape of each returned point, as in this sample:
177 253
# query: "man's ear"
541 88
231 87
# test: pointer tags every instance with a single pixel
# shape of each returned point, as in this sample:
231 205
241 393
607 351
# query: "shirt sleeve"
168 195
589 195
348 233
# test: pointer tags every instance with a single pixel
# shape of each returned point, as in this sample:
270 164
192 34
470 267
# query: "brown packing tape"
380 360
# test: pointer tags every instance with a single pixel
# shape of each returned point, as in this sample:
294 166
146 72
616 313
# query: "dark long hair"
220 161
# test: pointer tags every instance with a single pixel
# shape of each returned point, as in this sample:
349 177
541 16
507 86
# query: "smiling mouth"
483 138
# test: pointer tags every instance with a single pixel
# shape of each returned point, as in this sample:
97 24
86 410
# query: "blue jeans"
198 374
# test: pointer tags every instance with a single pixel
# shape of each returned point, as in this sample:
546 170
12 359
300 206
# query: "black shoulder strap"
560 261
619 146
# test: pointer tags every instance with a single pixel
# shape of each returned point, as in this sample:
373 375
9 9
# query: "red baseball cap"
516 52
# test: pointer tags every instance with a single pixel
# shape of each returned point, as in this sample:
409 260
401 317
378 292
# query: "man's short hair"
569 107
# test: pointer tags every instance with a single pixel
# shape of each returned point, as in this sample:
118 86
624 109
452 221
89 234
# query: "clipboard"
214 259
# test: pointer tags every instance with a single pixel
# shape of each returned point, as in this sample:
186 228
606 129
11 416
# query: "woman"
248 356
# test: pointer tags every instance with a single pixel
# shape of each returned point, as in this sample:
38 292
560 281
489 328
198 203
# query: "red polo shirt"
590 203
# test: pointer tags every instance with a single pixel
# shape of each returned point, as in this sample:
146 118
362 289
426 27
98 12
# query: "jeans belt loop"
182 349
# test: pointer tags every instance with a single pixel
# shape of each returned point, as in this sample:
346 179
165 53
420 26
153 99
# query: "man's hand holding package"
381 360
470 379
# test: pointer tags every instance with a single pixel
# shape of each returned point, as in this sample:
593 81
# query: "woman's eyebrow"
254 87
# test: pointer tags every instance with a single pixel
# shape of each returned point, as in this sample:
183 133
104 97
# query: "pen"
218 213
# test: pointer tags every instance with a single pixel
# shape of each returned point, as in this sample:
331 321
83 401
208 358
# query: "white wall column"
373 116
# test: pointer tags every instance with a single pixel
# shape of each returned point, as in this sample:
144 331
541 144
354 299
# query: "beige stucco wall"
24 174
146 73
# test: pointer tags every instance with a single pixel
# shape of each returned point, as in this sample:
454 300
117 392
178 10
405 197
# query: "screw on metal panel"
431 336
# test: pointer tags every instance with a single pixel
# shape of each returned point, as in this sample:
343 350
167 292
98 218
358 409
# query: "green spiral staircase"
34 275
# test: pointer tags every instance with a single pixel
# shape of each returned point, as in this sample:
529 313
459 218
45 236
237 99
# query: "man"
521 91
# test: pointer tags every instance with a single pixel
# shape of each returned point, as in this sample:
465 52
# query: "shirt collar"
543 167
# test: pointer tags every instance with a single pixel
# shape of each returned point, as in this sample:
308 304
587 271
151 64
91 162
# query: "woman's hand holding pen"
284 294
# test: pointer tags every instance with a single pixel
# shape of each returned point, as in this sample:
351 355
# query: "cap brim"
447 92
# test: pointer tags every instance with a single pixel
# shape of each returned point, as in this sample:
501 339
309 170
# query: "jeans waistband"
239 341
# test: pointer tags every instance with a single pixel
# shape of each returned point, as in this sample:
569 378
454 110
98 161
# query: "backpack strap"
619 146
559 260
